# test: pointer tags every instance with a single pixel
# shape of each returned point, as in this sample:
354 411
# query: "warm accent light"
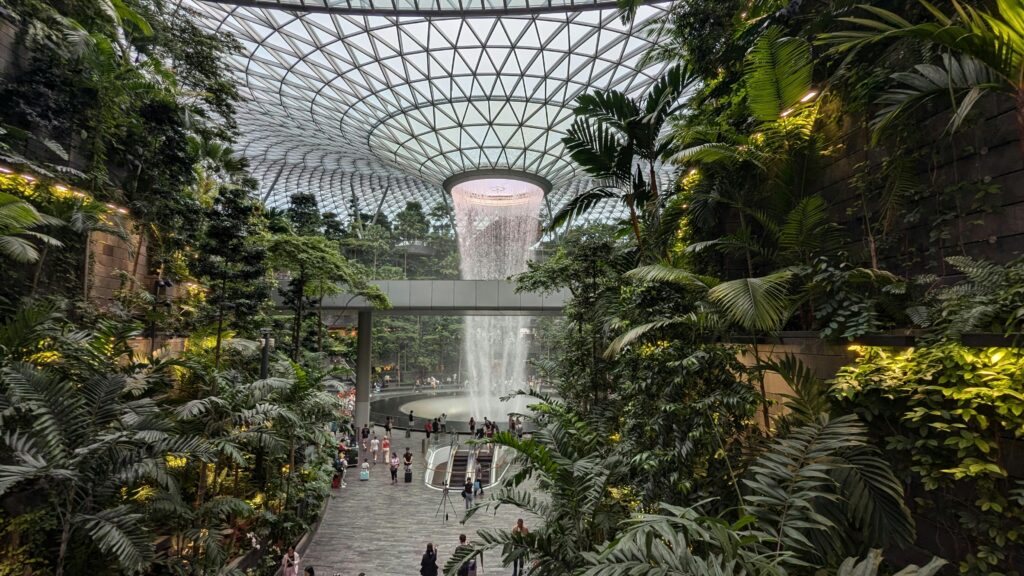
786 112
809 96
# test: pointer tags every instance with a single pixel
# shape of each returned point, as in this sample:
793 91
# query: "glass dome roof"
380 102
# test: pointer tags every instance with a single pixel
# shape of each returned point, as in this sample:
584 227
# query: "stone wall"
109 256
823 358
985 151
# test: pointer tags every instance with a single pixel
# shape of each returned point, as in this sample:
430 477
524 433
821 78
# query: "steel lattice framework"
380 101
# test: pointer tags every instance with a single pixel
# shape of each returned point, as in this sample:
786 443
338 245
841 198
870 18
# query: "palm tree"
985 53
18 218
619 141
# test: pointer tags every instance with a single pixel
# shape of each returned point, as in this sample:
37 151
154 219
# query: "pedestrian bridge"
453 297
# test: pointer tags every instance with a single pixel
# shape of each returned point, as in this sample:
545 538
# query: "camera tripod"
445 499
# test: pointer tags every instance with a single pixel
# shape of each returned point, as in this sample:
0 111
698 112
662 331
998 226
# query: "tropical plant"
618 140
18 218
565 460
947 416
990 298
823 492
311 259
80 432
984 52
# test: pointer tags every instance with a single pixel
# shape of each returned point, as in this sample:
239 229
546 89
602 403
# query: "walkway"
382 530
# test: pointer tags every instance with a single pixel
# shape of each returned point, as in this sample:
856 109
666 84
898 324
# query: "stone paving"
382 530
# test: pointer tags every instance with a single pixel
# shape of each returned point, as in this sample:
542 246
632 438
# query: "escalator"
485 464
459 468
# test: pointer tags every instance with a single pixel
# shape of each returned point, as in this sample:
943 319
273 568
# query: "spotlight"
809 96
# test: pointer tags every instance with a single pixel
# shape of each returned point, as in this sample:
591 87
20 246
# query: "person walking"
428 564
472 426
290 563
444 422
478 487
469 565
364 470
394 468
467 492
511 423
519 531
437 426
343 464
385 449
374 448
428 428
387 426
519 428
412 422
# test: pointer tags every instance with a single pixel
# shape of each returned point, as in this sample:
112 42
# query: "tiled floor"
382 530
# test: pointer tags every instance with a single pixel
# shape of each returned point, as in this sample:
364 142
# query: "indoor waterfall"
497 222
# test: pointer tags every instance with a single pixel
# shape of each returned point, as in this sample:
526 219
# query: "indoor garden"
789 237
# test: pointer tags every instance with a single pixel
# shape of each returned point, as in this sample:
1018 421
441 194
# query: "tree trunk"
86 267
636 225
300 291
65 534
220 319
201 487
39 268
320 323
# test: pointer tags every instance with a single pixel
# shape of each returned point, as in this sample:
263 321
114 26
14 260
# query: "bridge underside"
451 298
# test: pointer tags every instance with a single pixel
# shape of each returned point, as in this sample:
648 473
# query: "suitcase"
364 474
408 476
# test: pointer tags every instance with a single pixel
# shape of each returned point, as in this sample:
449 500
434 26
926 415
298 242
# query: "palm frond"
756 304
777 75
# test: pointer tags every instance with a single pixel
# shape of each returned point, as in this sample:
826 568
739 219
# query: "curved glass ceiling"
422 7
383 108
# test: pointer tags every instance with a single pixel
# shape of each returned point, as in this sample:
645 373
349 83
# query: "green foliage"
617 140
106 455
822 491
567 461
985 54
990 298
948 416
17 221
778 74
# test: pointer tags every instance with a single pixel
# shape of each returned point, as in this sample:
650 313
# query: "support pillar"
361 412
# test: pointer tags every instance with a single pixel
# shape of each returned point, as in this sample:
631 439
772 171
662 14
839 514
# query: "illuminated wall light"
122 210
809 96
786 112
27 177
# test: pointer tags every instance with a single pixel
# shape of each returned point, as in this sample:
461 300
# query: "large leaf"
756 304
777 75
959 82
